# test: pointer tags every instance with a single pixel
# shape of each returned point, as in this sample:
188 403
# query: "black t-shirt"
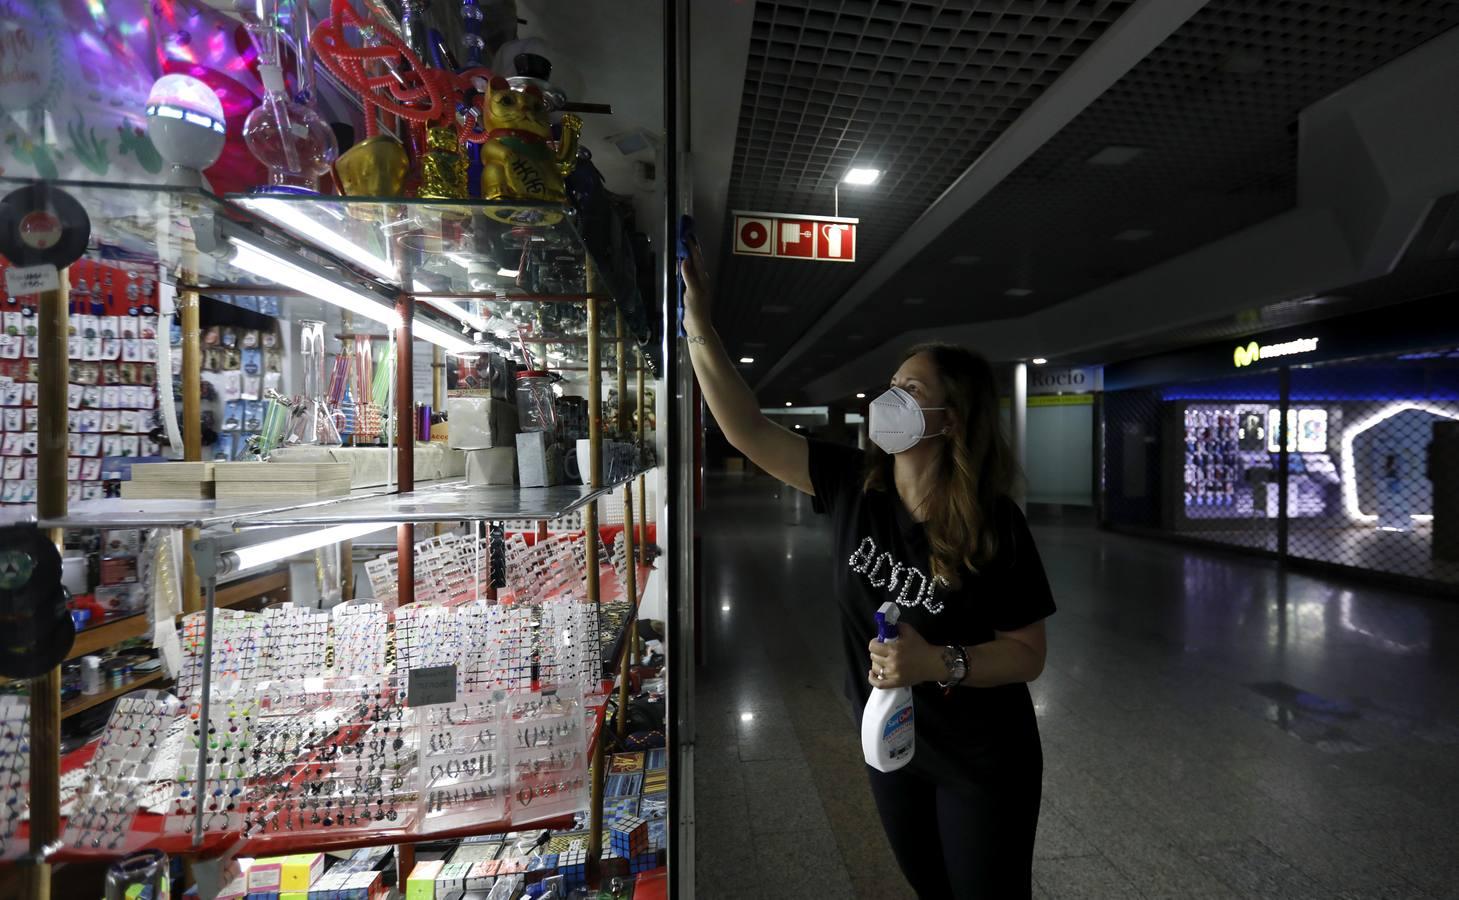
970 735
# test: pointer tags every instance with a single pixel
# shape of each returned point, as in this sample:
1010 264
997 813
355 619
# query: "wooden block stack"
282 480
170 481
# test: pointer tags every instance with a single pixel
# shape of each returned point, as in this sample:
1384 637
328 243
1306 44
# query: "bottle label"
897 724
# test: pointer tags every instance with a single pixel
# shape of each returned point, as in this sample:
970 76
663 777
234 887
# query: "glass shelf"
446 502
117 512
467 249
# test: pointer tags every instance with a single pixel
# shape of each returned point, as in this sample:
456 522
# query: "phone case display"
1212 466
14 771
112 394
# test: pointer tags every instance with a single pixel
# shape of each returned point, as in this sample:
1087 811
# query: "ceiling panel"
1212 113
917 90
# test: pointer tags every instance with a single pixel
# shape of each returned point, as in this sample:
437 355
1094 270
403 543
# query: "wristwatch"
955 660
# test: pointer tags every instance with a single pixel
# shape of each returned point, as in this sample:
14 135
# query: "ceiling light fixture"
1115 155
256 260
747 360
787 403
860 396
861 176
262 554
434 334
1038 360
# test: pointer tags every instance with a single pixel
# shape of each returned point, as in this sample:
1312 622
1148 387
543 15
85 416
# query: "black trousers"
963 844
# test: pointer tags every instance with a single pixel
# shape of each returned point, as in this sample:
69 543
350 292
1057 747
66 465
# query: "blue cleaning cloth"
686 239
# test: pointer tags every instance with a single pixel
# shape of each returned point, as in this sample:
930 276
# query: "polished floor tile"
1212 726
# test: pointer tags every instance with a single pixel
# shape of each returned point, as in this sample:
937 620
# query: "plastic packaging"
888 735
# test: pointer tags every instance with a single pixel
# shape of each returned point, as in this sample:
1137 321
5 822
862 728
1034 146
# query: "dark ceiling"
922 89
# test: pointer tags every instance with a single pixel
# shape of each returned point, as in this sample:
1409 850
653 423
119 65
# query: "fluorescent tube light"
747 360
862 176
262 554
508 273
291 216
451 343
265 264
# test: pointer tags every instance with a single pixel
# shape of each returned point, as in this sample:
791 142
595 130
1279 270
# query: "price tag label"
22 282
431 685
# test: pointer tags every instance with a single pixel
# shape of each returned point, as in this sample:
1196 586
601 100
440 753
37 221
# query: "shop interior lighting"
1038 361
860 396
1350 464
747 717
261 554
290 215
861 176
256 260
747 360
508 273
787 403
451 343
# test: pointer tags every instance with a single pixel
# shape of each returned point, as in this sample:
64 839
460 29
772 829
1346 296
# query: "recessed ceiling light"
861 176
860 396
747 717
1115 155
747 360
1017 292
1038 360
1134 234
965 259
797 428
914 301
787 403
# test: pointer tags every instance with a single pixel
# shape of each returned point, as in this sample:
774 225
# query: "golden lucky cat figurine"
518 161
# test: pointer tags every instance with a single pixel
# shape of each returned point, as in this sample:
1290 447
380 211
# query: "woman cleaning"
924 520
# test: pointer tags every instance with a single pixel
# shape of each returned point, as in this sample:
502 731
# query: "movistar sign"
1254 352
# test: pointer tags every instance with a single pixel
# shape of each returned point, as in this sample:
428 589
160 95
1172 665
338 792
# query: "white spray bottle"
887 736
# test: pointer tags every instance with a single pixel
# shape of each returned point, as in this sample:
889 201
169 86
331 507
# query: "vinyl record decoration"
42 225
35 624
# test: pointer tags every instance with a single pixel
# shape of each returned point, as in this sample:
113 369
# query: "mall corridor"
1211 727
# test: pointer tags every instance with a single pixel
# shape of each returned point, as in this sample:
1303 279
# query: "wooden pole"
642 479
45 690
192 425
590 534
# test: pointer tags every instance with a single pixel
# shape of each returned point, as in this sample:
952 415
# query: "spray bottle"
888 738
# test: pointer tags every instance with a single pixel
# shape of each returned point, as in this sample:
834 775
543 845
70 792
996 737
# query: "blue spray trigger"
682 252
886 622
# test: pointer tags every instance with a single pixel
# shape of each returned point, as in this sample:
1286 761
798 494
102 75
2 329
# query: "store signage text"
793 236
1254 352
1045 380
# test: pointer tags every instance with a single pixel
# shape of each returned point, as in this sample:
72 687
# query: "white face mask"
896 423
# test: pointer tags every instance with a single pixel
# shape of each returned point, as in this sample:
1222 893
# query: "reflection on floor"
1211 727
1407 551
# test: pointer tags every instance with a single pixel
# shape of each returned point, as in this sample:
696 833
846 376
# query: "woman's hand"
698 296
904 662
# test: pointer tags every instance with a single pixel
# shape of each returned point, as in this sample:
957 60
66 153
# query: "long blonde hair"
974 470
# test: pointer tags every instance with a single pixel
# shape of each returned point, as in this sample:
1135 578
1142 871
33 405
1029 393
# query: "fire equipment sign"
816 238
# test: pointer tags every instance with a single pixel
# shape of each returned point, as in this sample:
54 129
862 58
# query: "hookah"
290 138
313 423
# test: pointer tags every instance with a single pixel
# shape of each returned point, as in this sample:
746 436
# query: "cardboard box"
479 423
497 465
539 464
421 885
266 875
300 870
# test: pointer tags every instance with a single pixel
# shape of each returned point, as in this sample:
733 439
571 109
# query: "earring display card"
360 636
227 738
295 641
464 765
120 774
549 753
14 771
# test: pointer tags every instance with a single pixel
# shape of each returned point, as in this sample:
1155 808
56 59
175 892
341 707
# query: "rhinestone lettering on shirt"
882 570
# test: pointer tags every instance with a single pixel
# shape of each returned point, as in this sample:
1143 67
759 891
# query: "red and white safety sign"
817 238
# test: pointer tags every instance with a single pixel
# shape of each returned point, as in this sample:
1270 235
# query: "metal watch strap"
955 658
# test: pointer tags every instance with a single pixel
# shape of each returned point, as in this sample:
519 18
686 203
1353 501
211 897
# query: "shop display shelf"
109 634
116 512
87 701
442 502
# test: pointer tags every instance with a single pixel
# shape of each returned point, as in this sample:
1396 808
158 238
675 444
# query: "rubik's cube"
629 837
643 863
542 867
573 867
611 866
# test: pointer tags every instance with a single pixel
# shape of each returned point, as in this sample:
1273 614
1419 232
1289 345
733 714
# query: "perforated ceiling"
917 90
1211 112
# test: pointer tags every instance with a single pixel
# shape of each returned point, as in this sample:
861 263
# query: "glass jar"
535 403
